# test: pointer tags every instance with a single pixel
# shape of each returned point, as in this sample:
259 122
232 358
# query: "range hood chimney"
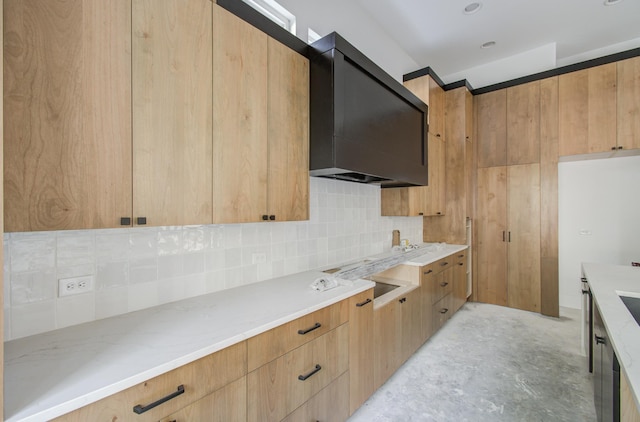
365 126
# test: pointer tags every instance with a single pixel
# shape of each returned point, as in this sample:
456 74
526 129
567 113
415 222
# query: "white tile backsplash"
137 268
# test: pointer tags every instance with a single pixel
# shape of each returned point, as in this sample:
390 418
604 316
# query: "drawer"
227 404
441 285
274 343
460 256
198 378
441 312
329 405
281 386
443 264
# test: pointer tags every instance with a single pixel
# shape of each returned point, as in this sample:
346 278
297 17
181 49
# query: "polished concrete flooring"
491 363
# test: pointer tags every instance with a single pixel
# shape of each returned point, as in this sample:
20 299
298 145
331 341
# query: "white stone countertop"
606 282
50 374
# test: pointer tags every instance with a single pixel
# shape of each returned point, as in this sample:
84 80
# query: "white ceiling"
438 34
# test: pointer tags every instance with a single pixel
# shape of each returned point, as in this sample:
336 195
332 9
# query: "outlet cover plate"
75 285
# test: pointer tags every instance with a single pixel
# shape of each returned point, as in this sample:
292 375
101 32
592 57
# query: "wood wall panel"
549 126
523 124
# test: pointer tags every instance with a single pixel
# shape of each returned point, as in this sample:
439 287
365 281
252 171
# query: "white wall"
136 268
601 199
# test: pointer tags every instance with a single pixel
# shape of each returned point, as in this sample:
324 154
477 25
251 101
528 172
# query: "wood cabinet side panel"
288 133
491 112
628 103
523 124
67 113
240 146
172 112
420 88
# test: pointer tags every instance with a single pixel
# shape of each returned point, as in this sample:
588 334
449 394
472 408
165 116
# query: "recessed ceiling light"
611 2
488 44
474 7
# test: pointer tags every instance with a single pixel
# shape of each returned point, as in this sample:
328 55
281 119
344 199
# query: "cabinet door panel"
436 110
239 120
386 339
523 124
172 112
629 103
288 125
360 349
435 193
329 405
491 109
524 237
67 114
411 323
492 247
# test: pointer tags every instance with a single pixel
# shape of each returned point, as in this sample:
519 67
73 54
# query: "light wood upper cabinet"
523 124
172 112
628 111
436 109
587 110
260 126
288 125
491 115
67 114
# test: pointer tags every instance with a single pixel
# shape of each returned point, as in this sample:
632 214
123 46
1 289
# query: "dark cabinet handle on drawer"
600 340
139 409
461 256
428 272
141 221
403 300
125 221
444 263
272 217
265 217
584 279
361 304
444 284
444 310
308 330
460 263
304 377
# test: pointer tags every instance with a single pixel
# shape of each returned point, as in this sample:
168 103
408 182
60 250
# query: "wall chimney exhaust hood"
365 126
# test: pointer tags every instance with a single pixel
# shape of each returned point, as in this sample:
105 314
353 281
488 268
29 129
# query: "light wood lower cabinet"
199 379
629 411
279 387
459 276
360 349
329 405
441 311
225 405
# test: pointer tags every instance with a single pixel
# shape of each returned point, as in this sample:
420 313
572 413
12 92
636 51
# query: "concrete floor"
491 363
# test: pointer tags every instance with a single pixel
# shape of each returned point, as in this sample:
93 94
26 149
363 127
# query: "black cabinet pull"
613 148
420 213
444 263
443 284
428 272
460 263
583 279
620 147
503 236
444 310
439 213
461 255
272 217
361 304
141 221
584 292
125 221
509 236
403 300
437 135
314 371
600 340
308 330
265 217
140 409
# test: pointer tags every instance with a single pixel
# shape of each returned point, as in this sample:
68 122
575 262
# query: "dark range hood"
365 126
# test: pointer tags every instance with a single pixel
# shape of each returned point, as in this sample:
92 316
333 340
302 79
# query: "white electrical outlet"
75 285
259 258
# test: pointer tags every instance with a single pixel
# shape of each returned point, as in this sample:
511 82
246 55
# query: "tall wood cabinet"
172 112
2 281
67 106
628 103
260 135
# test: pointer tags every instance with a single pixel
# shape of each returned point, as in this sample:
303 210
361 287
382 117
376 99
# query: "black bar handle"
313 372
460 263
140 409
584 292
509 237
461 255
444 310
403 300
272 217
444 284
265 217
583 279
308 330
125 221
503 236
361 304
600 340
444 263
428 272
141 221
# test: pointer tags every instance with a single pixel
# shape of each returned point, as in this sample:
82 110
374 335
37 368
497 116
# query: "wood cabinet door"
524 237
492 232
172 112
239 120
329 405
436 109
628 113
426 282
67 114
288 133
435 193
386 341
459 281
523 124
587 109
394 202
411 323
227 404
360 349
491 115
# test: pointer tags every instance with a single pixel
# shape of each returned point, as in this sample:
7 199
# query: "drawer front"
274 343
441 312
276 389
329 405
224 405
441 285
198 378
443 264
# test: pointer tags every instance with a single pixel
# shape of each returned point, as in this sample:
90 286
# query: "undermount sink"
382 288
632 303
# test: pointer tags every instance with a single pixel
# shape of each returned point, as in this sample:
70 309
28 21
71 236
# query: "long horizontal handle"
361 304
600 340
313 372
308 330
140 409
444 310
444 284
